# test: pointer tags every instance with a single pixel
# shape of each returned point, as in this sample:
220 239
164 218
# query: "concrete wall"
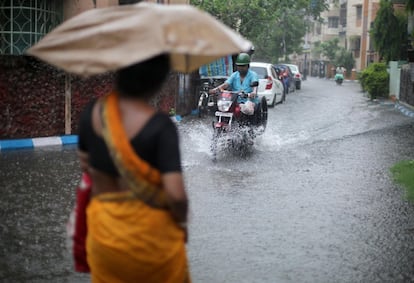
32 97
395 77
32 93
406 94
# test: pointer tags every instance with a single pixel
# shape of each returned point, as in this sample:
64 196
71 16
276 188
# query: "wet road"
313 202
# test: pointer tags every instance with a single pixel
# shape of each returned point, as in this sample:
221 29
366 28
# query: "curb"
405 108
37 142
13 144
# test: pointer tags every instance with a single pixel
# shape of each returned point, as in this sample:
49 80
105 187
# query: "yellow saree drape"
130 237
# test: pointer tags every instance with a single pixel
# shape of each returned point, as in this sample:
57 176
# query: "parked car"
269 85
296 74
288 77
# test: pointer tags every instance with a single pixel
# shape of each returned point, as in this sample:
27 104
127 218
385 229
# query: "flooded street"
313 202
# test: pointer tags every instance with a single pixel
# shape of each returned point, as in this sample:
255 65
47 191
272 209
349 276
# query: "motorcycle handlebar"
242 94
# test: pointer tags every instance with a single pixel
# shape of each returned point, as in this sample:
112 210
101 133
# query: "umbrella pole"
68 102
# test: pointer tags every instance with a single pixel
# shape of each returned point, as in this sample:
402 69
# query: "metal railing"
25 22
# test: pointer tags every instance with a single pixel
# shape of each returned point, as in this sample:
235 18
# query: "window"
333 22
358 15
356 46
342 15
25 22
128 2
260 71
359 12
318 28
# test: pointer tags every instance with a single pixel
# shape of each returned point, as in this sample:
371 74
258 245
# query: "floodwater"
313 202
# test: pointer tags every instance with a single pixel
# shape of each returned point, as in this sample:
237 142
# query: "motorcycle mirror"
253 84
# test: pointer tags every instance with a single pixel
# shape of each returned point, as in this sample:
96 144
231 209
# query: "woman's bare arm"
173 185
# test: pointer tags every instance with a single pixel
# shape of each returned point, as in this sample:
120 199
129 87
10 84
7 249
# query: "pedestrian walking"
137 217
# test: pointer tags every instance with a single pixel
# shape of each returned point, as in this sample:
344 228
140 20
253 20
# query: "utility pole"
364 37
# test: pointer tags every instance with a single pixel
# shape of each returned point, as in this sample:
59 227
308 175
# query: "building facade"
350 22
34 95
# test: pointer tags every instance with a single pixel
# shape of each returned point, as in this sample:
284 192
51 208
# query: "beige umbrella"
107 39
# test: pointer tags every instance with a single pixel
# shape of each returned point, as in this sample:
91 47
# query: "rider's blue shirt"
236 84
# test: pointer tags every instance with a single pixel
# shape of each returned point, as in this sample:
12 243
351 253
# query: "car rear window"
293 68
260 71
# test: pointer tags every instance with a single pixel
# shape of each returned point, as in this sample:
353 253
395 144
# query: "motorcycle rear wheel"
262 114
202 105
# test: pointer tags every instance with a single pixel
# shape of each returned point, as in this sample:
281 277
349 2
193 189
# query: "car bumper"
269 96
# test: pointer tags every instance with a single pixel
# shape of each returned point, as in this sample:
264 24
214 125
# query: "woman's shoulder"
162 119
87 110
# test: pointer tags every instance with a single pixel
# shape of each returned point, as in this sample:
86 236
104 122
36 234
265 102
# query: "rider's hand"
214 90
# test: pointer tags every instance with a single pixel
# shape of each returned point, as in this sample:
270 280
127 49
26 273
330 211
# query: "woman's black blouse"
157 143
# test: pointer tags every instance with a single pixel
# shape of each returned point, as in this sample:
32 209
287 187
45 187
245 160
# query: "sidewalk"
48 141
37 142
405 108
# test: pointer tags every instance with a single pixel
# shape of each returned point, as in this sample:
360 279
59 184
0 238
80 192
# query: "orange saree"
131 237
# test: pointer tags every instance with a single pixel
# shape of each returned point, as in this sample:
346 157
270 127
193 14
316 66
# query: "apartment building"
360 17
350 21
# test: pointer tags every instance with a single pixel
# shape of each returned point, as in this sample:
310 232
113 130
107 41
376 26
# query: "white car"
297 75
269 85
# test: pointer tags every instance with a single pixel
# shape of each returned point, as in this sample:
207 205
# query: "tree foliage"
375 80
409 5
338 55
389 33
329 48
276 27
344 58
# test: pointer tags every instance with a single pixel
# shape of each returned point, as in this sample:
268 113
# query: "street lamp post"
305 69
306 49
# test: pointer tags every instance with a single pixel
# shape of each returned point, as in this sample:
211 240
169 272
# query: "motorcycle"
235 127
339 78
207 103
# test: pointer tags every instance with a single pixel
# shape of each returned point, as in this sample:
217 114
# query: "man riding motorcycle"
241 81
339 74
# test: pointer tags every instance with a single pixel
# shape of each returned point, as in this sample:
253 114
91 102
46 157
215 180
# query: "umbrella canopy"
106 39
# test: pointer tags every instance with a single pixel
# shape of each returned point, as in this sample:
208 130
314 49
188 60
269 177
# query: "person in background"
340 70
137 215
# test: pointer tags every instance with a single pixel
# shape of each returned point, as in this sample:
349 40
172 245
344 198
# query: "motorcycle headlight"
223 106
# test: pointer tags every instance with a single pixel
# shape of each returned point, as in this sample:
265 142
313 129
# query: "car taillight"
297 75
269 83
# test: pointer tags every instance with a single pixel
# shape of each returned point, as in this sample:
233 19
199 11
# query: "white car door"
277 86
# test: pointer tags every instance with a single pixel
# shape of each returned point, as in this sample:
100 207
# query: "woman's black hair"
143 79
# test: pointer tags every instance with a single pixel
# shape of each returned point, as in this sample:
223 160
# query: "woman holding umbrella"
138 212
137 215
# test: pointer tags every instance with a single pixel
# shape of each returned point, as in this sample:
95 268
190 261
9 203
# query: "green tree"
389 33
330 48
317 49
375 80
344 58
276 27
